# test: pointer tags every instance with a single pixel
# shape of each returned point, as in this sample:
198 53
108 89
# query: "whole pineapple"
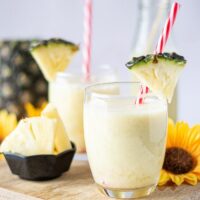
21 80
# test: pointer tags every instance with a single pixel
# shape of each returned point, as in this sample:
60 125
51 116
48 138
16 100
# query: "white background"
114 26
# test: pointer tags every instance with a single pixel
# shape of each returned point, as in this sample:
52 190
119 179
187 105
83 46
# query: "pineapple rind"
167 57
53 41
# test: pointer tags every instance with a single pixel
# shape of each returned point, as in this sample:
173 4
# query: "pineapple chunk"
62 141
31 137
44 130
38 135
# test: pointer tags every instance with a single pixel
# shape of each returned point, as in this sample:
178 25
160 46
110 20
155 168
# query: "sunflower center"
178 161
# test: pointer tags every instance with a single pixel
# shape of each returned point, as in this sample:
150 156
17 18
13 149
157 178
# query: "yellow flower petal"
177 179
197 168
195 150
164 178
194 134
191 178
171 131
180 136
33 111
198 176
8 122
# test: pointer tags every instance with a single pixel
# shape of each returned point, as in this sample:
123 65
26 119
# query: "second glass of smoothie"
125 142
67 94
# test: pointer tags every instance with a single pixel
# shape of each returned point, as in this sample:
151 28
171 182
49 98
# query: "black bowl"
40 167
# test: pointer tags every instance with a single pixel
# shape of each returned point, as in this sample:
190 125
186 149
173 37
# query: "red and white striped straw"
162 42
143 90
86 68
167 28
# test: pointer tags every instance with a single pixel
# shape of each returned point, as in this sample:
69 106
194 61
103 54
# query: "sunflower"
8 122
182 157
34 111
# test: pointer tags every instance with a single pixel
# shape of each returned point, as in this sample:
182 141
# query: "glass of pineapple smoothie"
67 94
125 142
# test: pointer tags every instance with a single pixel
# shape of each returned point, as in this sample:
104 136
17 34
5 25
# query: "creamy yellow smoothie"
125 142
67 94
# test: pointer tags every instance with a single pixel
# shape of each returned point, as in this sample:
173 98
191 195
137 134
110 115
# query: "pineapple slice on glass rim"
159 72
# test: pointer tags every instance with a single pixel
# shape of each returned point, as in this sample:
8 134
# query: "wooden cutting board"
76 184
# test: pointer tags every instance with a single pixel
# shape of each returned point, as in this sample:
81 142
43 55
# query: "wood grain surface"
76 184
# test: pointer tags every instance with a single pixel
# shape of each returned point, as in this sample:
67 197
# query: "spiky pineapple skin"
21 80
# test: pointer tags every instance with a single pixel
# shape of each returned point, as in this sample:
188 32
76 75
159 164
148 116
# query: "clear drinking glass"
67 94
125 142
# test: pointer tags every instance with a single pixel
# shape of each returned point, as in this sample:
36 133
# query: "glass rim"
110 83
111 96
72 78
66 74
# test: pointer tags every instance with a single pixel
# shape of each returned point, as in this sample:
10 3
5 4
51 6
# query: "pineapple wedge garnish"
159 72
53 56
